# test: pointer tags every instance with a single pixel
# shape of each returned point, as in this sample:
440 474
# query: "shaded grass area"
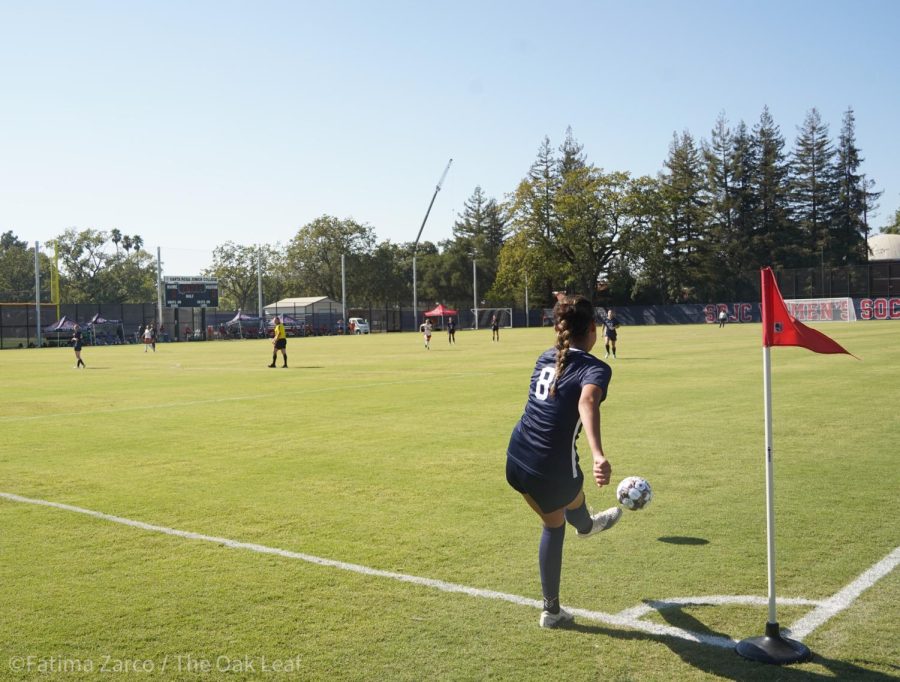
372 451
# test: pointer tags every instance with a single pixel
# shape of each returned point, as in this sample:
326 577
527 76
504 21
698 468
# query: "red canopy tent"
440 310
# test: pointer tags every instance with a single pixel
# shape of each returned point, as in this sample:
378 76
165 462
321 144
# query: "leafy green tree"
237 268
534 222
387 276
567 217
592 206
314 257
522 264
92 273
893 227
17 270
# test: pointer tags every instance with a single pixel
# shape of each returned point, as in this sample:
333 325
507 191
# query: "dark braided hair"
572 316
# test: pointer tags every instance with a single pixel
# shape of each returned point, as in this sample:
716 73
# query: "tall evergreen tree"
483 225
722 197
572 155
813 188
853 200
776 239
533 215
682 187
745 251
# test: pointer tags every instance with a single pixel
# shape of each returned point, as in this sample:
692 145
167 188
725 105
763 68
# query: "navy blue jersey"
610 324
543 441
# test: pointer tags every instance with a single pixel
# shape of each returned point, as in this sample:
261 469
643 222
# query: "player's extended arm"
589 411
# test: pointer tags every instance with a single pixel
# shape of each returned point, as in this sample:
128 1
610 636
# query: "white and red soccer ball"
634 493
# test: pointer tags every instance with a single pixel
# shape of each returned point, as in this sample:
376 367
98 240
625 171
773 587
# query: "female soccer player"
610 324
426 328
76 339
495 328
279 342
567 386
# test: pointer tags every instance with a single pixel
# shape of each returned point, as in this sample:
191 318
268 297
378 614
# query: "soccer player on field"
495 328
610 324
426 328
567 386
76 339
279 342
451 331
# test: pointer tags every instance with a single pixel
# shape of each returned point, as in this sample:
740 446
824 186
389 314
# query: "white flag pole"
770 482
771 647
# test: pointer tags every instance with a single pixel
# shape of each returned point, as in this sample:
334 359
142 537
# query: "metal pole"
37 290
159 291
770 482
259 289
416 243
415 300
343 295
527 323
475 291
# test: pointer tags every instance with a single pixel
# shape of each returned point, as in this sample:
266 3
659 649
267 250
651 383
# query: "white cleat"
555 620
602 521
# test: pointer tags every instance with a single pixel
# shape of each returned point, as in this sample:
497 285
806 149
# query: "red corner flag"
780 328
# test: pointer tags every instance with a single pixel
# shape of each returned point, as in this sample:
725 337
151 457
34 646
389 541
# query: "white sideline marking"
842 599
227 399
628 618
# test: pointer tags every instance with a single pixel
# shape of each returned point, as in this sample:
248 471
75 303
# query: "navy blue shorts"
549 493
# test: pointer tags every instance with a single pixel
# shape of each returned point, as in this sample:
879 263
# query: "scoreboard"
192 292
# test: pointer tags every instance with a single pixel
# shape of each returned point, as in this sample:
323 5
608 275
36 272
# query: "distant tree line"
699 231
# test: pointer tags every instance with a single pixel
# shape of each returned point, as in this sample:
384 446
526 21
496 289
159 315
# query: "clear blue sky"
193 123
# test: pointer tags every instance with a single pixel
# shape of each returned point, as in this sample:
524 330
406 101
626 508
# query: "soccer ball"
634 493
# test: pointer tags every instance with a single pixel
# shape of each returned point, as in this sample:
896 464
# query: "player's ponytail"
572 316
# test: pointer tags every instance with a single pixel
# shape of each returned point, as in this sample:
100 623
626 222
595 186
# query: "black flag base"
773 648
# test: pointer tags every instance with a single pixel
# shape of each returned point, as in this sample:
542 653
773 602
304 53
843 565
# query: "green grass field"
374 452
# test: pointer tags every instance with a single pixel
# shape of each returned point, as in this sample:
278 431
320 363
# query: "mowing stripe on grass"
233 398
629 618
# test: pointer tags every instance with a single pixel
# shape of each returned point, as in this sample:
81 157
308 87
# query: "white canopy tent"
307 305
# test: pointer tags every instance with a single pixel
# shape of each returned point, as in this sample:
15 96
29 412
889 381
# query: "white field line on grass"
842 599
233 398
629 618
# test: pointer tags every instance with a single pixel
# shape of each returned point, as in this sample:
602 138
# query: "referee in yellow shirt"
279 342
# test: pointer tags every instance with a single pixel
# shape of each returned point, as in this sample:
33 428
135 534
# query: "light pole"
475 290
416 243
527 322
